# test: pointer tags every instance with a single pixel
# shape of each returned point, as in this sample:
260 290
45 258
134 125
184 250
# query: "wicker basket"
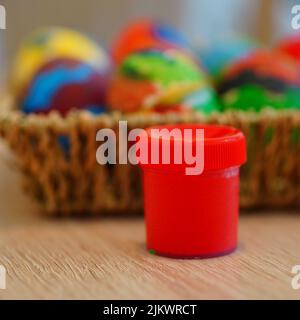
73 182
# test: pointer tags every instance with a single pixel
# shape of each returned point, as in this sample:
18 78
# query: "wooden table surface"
106 258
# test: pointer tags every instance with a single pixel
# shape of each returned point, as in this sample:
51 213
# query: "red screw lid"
224 146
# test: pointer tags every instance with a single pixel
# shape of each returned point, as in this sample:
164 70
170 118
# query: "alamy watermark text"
160 146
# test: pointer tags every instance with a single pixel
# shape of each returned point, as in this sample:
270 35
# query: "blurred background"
200 20
61 249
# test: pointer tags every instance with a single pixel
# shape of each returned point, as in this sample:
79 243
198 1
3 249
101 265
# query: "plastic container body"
196 216
204 223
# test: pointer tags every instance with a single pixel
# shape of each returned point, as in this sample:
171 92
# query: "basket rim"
11 115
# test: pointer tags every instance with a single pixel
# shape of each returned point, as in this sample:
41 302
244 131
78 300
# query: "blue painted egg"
66 84
215 57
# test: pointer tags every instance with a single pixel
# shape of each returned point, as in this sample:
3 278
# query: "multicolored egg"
47 44
262 79
65 84
146 34
215 57
159 80
291 46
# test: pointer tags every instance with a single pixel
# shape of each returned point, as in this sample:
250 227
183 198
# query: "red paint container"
195 216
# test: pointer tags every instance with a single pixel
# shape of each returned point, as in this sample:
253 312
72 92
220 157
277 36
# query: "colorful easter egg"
262 79
146 34
64 85
215 57
47 44
152 79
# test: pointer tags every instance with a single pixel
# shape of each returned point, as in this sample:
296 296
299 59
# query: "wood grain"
106 258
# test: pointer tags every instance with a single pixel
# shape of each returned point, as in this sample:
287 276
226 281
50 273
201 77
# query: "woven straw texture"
68 180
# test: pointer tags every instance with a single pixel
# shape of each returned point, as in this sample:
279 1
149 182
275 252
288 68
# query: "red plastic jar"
195 216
